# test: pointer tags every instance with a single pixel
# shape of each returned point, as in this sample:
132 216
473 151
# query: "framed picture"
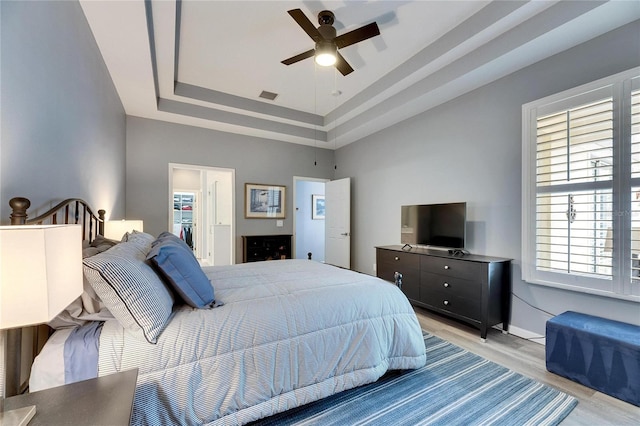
264 201
317 206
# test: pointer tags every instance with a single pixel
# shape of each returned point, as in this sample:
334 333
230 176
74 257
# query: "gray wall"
469 149
152 145
63 125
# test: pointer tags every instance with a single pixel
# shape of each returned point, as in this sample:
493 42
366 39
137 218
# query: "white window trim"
620 84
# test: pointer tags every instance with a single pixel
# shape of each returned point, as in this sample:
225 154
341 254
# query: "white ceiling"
205 63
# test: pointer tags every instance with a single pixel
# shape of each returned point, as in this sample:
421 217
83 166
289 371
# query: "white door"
338 223
219 217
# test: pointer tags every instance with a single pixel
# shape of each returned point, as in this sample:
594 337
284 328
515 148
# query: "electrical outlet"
279 223
374 268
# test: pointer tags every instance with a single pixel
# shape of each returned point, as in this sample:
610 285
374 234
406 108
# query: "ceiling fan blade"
342 65
305 24
356 36
297 58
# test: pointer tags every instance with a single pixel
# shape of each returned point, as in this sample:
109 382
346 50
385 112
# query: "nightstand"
106 400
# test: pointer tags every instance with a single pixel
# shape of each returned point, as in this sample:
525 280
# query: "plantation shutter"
574 190
581 188
635 189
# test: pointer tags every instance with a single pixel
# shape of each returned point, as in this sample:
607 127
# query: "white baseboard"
526 334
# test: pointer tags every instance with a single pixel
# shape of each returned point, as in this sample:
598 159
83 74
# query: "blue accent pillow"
168 236
179 266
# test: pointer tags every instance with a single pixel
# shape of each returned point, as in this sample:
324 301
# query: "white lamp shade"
40 272
325 53
325 59
115 229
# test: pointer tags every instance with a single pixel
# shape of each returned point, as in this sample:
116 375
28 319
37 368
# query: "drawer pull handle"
396 258
446 266
446 284
446 303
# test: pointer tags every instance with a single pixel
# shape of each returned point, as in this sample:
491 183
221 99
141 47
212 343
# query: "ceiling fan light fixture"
325 53
327 42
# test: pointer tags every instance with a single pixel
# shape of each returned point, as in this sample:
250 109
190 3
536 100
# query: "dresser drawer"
410 280
390 262
408 275
468 308
399 260
450 285
451 267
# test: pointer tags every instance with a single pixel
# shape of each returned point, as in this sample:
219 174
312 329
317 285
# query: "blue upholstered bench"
599 353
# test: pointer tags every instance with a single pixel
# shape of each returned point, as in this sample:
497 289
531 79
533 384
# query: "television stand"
471 288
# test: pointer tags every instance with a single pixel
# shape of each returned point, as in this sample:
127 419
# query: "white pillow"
47 370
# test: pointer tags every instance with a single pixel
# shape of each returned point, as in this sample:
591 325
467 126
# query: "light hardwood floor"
528 358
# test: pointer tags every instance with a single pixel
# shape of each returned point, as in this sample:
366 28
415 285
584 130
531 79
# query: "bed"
268 337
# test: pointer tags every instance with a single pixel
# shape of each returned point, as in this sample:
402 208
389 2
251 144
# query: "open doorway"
201 211
309 229
322 229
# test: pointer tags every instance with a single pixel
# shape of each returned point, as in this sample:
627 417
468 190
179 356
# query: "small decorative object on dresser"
474 289
265 247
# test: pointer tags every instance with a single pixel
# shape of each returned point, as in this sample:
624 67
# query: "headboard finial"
101 214
19 206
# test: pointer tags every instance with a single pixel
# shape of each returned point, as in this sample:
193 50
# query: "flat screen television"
438 225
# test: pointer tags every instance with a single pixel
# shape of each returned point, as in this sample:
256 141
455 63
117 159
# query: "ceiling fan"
327 43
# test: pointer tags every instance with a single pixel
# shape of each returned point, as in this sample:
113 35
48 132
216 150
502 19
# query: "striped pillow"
130 289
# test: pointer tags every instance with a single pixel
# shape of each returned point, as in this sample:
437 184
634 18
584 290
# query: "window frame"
619 87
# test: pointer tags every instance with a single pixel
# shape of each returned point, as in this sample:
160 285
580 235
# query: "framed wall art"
264 201
317 206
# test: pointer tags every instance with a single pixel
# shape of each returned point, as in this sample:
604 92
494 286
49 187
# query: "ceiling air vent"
268 95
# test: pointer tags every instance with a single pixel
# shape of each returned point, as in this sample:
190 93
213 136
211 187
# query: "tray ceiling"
206 63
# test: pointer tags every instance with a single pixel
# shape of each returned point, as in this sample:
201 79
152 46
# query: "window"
581 188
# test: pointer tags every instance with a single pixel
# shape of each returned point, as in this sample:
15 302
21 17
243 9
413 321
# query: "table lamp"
40 275
115 229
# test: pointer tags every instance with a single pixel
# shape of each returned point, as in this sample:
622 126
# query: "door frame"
204 198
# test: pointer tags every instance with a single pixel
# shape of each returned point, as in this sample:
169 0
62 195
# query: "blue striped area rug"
456 387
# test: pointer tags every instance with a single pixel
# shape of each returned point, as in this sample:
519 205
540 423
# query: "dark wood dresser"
265 247
471 288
